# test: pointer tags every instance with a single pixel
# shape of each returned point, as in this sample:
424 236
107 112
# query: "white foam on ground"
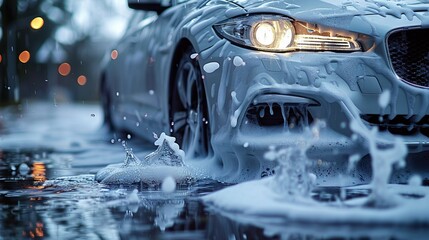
257 198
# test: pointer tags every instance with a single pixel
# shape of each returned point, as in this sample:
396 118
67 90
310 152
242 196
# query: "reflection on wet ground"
48 157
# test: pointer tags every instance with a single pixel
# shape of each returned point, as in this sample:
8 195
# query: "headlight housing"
275 33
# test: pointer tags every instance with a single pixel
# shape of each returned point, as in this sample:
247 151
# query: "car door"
150 69
149 57
120 71
135 67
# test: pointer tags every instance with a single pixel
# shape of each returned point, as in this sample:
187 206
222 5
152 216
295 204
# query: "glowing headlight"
264 34
281 34
275 34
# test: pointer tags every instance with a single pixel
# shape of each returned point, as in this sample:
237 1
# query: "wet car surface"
231 78
58 159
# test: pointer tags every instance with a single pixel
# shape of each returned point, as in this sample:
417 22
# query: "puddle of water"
46 191
70 207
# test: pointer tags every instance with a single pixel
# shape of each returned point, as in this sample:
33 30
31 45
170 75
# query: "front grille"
399 125
409 54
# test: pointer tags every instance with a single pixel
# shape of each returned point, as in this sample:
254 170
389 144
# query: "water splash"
168 153
293 179
130 157
166 161
385 154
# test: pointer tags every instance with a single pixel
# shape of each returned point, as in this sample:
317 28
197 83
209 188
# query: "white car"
230 78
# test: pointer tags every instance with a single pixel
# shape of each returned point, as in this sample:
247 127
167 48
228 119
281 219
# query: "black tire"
189 119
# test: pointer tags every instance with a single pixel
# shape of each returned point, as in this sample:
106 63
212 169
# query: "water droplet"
117 94
246 145
129 136
125 118
23 169
137 124
151 92
415 180
133 197
168 185
384 99
92 115
112 140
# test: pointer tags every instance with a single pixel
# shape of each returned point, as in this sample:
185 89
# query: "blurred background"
54 49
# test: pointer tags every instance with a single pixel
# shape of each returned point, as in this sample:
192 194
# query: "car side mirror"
150 5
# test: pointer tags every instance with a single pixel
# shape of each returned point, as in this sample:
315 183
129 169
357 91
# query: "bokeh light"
37 23
24 56
64 69
39 171
114 54
1 58
81 80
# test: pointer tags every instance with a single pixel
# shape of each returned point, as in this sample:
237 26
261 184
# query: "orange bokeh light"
39 172
24 56
64 69
81 80
114 54
1 58
37 23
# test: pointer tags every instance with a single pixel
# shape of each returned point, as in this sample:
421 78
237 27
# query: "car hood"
340 13
343 7
370 5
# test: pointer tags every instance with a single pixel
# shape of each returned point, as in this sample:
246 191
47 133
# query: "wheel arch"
180 49
183 46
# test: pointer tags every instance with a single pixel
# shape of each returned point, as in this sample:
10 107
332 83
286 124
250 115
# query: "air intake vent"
409 54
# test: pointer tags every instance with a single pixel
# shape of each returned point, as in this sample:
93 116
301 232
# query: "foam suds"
164 163
211 67
287 193
256 198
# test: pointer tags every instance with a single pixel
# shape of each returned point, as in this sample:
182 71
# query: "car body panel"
347 85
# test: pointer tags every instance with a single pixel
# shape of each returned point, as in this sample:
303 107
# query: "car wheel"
188 108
